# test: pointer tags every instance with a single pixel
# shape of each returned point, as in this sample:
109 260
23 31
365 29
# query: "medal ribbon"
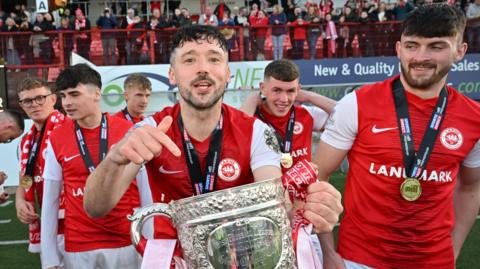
296 181
203 183
34 149
287 144
127 115
415 162
87 158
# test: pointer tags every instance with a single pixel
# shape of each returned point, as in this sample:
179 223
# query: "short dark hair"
30 83
16 117
196 33
283 70
71 76
435 20
137 80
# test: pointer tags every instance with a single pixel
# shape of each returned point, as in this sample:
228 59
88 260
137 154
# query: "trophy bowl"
241 227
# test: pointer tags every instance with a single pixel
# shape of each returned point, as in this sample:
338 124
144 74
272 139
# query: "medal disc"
26 182
286 160
411 189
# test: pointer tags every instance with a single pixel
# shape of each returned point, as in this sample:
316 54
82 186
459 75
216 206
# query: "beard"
424 83
197 103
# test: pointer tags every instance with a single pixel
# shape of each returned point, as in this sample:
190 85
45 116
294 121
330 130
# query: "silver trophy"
243 227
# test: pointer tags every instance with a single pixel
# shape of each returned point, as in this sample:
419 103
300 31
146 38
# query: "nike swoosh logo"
168 172
376 130
67 159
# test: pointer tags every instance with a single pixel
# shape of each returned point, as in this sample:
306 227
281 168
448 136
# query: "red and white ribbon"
296 181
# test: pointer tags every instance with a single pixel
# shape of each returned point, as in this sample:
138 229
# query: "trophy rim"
236 189
229 213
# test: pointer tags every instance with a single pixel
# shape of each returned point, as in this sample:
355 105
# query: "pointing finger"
165 124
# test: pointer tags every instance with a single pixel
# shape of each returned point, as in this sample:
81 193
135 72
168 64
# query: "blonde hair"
137 80
278 8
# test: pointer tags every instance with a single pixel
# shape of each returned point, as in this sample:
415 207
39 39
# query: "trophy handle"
141 214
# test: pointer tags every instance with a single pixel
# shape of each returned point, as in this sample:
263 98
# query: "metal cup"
242 227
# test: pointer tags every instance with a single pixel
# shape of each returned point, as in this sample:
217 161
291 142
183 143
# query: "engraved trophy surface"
243 227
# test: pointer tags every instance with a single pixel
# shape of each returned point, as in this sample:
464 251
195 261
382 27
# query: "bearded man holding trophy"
220 175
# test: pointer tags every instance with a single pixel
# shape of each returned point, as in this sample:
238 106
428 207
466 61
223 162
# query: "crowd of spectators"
314 28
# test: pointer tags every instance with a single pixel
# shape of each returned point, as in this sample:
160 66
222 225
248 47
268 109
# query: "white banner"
245 76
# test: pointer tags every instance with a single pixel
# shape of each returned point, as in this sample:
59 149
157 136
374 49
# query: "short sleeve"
319 116
473 158
262 154
342 125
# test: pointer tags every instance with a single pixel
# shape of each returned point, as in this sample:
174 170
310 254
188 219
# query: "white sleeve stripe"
260 153
48 244
332 141
342 126
319 116
473 158
52 169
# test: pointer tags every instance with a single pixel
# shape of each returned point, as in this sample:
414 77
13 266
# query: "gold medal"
26 182
411 189
286 160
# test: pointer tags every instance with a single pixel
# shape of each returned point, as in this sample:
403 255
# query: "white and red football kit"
121 114
64 163
380 229
243 150
54 120
307 120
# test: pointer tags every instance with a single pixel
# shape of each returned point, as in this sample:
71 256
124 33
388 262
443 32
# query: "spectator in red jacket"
299 36
260 33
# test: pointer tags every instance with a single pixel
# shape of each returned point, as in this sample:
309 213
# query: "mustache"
204 77
422 64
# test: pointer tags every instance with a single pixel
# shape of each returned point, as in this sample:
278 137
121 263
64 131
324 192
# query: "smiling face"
279 95
425 62
200 70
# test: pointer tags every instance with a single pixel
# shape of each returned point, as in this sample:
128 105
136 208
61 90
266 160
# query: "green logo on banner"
113 95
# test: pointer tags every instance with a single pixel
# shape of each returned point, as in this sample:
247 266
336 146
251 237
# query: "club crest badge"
451 138
298 128
228 169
